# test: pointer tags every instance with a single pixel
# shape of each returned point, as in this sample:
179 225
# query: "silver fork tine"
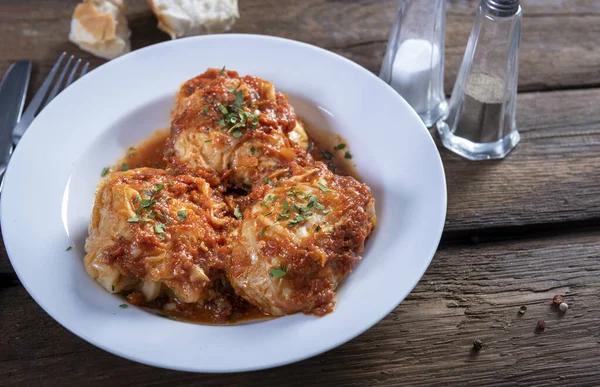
58 85
36 102
84 69
72 73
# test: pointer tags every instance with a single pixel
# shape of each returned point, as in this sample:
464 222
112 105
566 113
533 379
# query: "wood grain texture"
559 46
550 182
551 177
469 292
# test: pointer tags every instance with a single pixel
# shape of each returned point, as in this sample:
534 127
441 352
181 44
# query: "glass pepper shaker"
480 124
414 60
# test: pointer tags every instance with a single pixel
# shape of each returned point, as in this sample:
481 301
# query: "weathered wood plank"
469 292
560 44
551 177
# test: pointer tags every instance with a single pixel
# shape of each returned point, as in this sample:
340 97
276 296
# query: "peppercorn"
477 344
563 307
558 299
523 309
541 326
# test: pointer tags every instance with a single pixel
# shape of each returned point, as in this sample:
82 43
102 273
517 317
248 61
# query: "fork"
42 97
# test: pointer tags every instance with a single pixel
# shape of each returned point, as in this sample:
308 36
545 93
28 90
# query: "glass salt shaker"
480 124
414 60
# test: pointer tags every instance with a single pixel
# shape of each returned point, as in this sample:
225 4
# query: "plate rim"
293 359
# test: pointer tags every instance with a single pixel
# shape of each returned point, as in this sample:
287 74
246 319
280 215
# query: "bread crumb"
180 18
100 27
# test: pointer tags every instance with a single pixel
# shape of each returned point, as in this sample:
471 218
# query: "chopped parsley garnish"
158 187
252 150
286 206
137 199
270 182
205 110
69 248
299 219
105 170
124 167
237 213
324 188
222 71
123 306
339 146
182 214
327 155
278 272
311 146
137 219
209 140
313 202
170 153
283 216
170 181
262 230
237 115
270 198
347 155
159 228
147 203
113 288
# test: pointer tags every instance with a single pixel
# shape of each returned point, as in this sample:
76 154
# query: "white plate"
49 191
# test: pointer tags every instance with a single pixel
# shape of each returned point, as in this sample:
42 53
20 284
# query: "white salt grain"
416 61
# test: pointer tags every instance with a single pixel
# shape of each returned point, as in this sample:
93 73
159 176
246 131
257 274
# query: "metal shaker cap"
502 8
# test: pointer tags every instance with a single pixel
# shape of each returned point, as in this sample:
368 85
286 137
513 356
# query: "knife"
13 91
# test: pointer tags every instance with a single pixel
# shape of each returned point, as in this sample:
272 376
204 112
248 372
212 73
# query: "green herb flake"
327 155
170 182
158 187
347 155
137 199
311 146
313 202
286 206
324 188
283 216
69 248
222 71
252 150
236 134
205 110
296 220
270 182
339 146
318 228
182 214
278 272
134 219
147 203
105 171
170 153
112 288
237 213
209 140
159 228
123 306
124 167
223 109
262 230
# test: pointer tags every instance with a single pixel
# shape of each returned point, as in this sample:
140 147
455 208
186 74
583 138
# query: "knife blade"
13 91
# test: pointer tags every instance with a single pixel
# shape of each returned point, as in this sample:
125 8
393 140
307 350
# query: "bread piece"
180 18
100 27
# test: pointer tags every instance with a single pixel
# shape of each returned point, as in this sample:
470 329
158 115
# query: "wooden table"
518 231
